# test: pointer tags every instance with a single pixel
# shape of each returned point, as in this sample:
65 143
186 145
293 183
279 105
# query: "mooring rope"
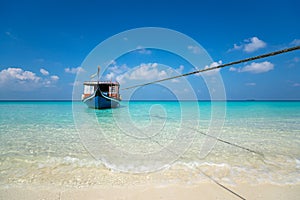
218 139
224 141
221 185
205 174
219 66
232 144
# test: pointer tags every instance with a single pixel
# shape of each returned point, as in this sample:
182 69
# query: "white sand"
152 192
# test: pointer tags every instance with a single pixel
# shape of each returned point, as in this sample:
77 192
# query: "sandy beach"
168 192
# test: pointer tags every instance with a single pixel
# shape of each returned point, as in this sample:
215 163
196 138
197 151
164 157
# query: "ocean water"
68 144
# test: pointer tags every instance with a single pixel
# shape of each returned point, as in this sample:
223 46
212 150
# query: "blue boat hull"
100 101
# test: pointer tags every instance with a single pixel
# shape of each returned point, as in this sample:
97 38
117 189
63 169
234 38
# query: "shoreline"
149 192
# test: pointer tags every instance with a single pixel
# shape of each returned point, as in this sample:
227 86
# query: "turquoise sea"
68 144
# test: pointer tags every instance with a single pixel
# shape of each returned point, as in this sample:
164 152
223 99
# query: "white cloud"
296 85
117 69
44 72
295 42
211 72
254 45
121 78
144 71
12 36
74 70
237 47
250 45
250 84
255 68
194 49
180 69
54 78
110 76
175 80
143 50
232 69
18 79
17 74
112 62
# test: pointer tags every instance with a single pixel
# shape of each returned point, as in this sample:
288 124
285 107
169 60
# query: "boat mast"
98 73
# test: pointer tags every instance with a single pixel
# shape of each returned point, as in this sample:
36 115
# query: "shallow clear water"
63 144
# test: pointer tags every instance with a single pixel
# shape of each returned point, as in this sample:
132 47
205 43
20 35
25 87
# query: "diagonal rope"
213 68
221 185
205 174
274 53
229 143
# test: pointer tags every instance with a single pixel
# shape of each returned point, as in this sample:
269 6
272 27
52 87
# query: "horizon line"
78 100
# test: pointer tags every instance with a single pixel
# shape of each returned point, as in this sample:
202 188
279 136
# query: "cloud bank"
18 79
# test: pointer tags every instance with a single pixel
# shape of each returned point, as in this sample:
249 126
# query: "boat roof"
101 83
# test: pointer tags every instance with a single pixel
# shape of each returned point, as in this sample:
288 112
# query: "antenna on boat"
96 74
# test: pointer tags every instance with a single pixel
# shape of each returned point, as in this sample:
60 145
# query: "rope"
220 66
221 185
208 176
224 141
201 171
213 68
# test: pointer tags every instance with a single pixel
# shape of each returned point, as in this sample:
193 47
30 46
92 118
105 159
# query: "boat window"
88 89
113 89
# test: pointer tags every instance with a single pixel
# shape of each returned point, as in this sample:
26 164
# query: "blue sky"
43 43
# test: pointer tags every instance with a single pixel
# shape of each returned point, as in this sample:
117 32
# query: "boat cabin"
108 88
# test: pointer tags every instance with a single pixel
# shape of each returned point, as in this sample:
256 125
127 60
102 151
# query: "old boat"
101 94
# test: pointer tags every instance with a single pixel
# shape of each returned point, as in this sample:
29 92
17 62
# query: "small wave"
71 161
234 174
88 170
297 163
